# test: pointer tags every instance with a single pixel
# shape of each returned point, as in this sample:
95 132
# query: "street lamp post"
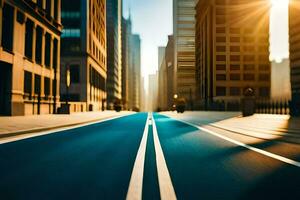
68 83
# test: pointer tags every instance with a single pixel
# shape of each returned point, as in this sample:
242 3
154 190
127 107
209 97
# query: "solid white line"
263 152
55 130
166 188
135 188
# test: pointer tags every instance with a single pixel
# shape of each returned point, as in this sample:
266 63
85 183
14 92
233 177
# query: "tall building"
184 50
29 56
294 25
169 57
126 32
162 79
134 75
152 92
143 96
114 51
83 54
232 42
131 67
166 75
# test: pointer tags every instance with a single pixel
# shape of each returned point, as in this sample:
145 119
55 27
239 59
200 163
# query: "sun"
279 3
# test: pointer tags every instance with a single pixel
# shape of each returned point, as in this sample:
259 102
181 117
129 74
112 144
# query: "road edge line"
135 188
166 188
257 150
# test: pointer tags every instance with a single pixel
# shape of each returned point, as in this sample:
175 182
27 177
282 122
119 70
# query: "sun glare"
280 3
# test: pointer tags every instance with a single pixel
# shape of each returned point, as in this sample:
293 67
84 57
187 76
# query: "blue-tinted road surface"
96 162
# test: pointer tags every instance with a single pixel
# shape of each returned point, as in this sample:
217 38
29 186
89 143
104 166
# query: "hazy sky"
152 19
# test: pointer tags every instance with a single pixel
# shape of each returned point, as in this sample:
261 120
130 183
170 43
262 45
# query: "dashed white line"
263 152
166 188
135 188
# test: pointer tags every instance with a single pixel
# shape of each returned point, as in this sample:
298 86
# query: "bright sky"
152 19
279 30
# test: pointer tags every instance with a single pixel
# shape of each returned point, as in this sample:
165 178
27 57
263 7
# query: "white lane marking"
135 188
266 153
166 188
55 130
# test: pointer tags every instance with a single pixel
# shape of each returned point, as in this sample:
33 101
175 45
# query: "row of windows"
245 67
7 39
50 7
70 33
260 49
8 23
39 50
247 58
28 89
247 39
237 91
96 79
246 77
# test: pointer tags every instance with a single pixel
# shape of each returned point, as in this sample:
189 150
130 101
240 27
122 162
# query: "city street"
153 156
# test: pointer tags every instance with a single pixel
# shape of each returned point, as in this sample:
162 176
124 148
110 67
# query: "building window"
54 88
235 91
221 48
47 86
55 56
37 84
235 39
220 29
264 92
221 39
221 77
264 67
249 77
249 58
75 73
235 30
235 49
38 46
70 33
249 67
221 58
234 67
235 77
40 3
48 7
56 10
221 91
249 48
221 67
235 58
264 77
29 39
47 49
7 27
27 82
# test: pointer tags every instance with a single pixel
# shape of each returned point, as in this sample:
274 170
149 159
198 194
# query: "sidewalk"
262 126
13 126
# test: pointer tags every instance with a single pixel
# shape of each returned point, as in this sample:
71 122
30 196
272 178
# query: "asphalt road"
97 162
